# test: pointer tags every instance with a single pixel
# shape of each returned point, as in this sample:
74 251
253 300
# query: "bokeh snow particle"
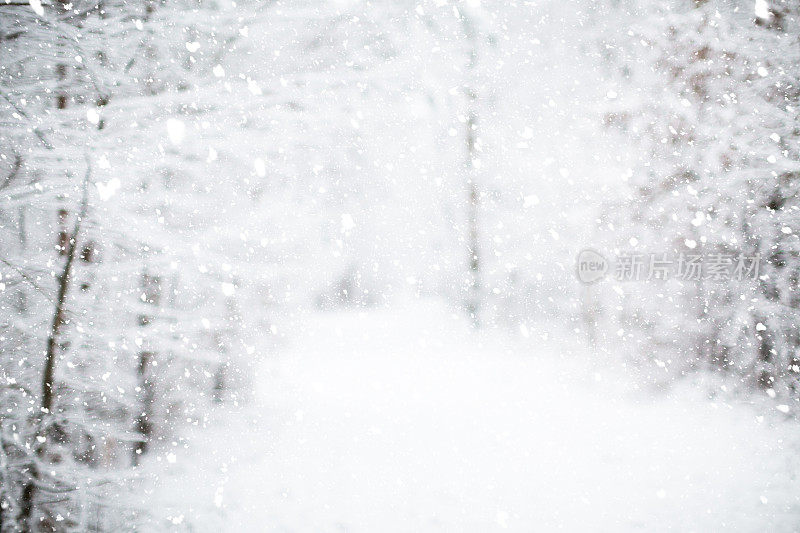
176 130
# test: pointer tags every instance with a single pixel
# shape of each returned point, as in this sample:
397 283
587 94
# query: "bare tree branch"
15 168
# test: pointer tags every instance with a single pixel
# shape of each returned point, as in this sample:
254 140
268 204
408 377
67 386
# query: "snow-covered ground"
404 420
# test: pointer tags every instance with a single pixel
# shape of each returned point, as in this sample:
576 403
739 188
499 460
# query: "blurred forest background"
179 178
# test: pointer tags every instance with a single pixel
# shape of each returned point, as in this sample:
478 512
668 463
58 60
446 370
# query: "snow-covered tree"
708 89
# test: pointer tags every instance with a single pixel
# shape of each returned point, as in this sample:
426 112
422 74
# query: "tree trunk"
143 424
48 373
472 303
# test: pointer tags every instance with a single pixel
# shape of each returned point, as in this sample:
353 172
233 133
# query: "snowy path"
369 427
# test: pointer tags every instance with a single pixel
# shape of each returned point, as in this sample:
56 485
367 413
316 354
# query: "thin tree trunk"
472 302
143 425
590 314
48 373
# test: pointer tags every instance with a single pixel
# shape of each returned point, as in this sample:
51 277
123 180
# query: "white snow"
176 130
260 167
36 5
404 420
107 190
761 9
228 289
285 156
531 200
347 222
92 115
